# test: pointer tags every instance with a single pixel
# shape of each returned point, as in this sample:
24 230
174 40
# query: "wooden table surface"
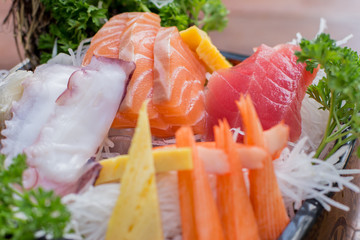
254 22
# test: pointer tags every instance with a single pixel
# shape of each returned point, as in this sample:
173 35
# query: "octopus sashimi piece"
35 107
106 41
137 44
81 120
179 78
273 79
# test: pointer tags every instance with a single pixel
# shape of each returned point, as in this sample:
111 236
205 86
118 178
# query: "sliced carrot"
265 194
235 208
199 215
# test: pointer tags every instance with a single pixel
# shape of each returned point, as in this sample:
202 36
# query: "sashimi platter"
146 131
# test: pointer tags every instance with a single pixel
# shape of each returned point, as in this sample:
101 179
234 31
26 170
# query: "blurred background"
251 23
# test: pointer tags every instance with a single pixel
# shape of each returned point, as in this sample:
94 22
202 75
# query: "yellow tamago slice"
168 159
200 42
136 214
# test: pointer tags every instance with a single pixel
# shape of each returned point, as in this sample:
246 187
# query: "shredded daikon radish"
161 3
169 204
312 122
301 177
92 209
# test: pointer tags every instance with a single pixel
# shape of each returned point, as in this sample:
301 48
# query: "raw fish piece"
106 41
35 107
276 83
179 79
137 45
82 117
167 73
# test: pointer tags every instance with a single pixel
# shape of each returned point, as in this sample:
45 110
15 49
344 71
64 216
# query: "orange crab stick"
235 208
265 194
199 215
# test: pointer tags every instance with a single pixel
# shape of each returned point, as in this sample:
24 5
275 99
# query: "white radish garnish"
300 177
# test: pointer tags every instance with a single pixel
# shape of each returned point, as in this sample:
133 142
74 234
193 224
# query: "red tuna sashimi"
276 83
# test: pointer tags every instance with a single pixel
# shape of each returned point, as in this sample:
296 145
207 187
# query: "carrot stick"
265 194
199 215
234 204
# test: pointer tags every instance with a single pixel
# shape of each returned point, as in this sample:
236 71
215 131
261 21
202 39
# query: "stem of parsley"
338 92
328 131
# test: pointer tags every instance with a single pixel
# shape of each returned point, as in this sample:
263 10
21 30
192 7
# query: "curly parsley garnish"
28 214
338 91
71 21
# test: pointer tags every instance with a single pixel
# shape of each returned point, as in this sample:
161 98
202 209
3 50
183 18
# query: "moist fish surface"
273 79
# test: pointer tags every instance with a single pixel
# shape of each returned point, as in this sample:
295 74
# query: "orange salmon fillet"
167 73
179 79
106 41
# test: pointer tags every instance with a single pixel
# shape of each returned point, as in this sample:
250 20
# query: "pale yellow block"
209 54
193 36
199 42
136 214
171 159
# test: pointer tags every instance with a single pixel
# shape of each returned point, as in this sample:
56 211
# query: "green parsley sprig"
338 91
72 21
23 213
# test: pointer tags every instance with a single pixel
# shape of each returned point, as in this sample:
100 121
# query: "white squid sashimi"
34 108
82 117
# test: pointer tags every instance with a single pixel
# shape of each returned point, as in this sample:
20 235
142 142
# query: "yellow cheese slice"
167 159
200 42
136 214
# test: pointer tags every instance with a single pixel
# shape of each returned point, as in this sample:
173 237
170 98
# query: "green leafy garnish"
208 15
24 213
338 91
73 21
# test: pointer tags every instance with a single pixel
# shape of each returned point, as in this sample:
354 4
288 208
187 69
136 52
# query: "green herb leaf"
23 213
72 21
338 92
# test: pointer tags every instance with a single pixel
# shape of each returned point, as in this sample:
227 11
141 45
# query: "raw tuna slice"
275 81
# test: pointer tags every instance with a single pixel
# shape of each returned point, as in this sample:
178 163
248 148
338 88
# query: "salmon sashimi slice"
265 195
179 75
199 214
106 41
137 45
234 204
193 113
